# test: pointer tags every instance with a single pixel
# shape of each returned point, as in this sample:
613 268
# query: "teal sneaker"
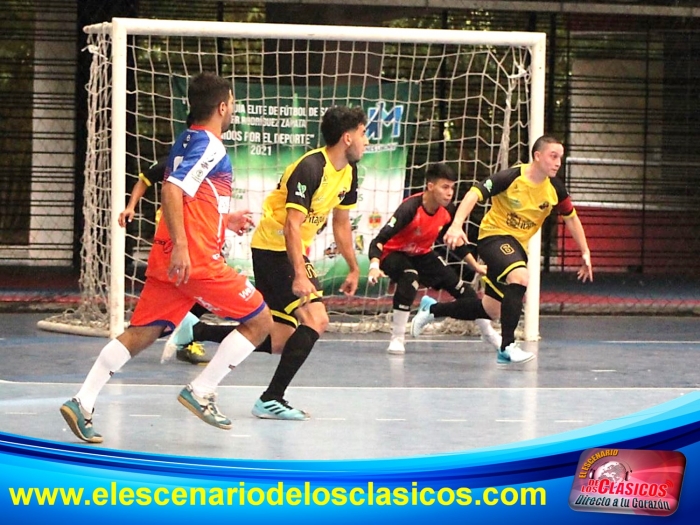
80 423
278 409
423 317
181 337
513 354
204 408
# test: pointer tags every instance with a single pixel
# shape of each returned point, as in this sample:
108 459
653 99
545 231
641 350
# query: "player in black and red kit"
403 250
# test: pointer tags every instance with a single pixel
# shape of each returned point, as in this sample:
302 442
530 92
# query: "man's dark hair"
206 91
439 170
541 142
338 120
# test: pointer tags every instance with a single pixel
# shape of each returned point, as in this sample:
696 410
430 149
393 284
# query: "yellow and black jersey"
519 206
313 186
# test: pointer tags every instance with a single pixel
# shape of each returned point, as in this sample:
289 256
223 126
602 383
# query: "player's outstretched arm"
342 233
573 224
240 221
128 214
456 235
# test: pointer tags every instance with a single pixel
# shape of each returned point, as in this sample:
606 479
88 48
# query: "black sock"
294 354
511 308
198 310
211 332
466 309
265 346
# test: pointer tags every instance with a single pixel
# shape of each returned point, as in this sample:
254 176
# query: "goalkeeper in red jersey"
522 198
403 250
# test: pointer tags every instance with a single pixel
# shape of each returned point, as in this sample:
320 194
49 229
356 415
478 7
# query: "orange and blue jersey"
198 164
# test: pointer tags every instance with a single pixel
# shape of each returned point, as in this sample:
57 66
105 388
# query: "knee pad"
406 290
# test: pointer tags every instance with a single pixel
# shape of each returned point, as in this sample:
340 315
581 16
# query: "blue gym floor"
445 395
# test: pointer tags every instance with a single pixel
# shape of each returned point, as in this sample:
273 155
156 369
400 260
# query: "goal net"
471 99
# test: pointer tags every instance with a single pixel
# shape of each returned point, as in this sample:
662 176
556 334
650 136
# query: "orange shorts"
226 294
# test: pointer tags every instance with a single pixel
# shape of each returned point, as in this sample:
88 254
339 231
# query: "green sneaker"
204 408
80 423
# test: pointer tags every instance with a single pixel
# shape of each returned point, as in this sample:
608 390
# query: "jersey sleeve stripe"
478 193
145 180
297 207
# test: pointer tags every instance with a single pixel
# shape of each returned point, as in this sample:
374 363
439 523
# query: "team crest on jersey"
507 249
301 190
515 203
543 206
392 222
488 185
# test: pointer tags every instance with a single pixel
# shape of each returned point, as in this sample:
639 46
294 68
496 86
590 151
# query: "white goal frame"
121 28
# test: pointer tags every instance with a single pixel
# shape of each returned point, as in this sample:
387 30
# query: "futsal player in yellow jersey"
320 182
522 198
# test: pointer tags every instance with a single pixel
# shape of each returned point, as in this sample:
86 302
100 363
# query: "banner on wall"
273 125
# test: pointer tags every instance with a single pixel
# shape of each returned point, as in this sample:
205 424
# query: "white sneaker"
396 346
488 334
513 354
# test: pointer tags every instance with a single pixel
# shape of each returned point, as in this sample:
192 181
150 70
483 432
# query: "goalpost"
473 99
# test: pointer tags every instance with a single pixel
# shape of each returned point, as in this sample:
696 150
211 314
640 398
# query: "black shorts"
501 254
274 276
432 271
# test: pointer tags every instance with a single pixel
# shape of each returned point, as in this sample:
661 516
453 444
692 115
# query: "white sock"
232 351
485 326
112 357
399 318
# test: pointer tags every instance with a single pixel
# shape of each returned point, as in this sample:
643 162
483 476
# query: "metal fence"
623 93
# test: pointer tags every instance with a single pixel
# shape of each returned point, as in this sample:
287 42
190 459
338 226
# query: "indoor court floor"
447 394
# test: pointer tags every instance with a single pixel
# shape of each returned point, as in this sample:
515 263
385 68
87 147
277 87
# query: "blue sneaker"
204 408
513 354
181 337
423 317
80 423
278 409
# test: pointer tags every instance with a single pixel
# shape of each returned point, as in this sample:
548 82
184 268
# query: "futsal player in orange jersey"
185 266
